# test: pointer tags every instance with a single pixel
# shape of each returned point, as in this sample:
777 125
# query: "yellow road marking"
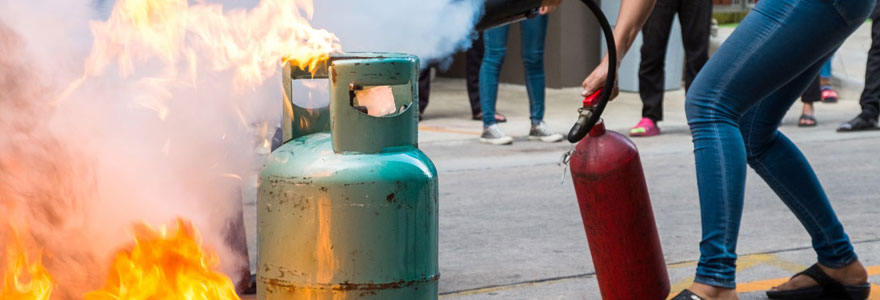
790 266
678 286
681 265
445 130
744 263
751 261
763 285
507 287
875 292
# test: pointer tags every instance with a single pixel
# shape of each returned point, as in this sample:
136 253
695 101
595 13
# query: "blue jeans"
825 72
533 33
734 108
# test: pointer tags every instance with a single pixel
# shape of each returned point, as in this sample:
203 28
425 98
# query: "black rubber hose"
576 134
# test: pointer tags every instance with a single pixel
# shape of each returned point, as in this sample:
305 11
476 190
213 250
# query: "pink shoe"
646 127
829 95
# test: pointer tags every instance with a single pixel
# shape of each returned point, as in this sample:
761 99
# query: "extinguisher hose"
582 127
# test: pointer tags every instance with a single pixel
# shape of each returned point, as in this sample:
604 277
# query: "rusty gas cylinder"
352 214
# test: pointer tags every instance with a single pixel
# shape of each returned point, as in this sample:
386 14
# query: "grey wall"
571 50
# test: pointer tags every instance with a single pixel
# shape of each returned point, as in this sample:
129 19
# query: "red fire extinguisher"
616 211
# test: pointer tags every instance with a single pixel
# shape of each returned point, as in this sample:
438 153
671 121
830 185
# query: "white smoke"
430 29
79 172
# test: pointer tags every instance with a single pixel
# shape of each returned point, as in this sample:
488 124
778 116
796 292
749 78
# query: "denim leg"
785 169
771 48
534 32
826 69
495 41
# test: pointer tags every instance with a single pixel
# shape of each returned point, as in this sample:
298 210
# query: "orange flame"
252 43
24 279
166 265
181 35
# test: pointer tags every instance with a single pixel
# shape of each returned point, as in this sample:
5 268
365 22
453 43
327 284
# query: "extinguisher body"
618 217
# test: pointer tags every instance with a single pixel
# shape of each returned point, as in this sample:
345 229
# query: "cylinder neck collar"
598 129
357 132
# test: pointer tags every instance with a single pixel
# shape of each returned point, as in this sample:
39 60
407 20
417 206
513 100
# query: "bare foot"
713 292
852 274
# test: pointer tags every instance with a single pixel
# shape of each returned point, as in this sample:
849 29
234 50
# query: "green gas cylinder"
351 213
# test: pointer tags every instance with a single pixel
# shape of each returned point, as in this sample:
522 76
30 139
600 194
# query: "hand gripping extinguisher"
608 181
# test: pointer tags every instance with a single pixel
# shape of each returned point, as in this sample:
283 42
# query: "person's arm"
633 14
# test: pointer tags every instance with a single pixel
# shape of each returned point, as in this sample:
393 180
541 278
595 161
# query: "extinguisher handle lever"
593 99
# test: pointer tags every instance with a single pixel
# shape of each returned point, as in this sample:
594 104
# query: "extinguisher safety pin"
563 162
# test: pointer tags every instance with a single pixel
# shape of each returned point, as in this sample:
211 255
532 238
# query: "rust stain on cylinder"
272 284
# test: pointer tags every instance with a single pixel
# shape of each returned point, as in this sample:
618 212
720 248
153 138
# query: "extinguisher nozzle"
581 127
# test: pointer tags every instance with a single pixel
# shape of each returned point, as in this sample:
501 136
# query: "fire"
182 36
166 264
24 279
162 264
252 43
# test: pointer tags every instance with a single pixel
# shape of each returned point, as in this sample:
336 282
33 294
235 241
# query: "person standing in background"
474 57
812 95
870 100
829 95
696 19
473 62
103 8
534 32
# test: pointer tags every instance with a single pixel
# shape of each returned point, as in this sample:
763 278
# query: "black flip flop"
687 295
807 118
828 288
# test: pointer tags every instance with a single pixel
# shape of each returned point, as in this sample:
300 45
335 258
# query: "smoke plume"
430 29
90 146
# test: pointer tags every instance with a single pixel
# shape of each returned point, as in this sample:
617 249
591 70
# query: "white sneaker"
493 135
542 133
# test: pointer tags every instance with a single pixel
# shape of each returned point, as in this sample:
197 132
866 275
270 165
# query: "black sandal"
687 295
828 288
803 121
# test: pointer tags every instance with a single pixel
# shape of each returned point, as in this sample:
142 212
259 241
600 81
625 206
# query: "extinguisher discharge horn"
501 12
585 120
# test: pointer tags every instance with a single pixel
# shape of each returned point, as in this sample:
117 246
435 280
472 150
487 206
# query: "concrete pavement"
510 229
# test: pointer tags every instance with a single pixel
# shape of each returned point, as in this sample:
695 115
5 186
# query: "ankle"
808 107
853 273
713 292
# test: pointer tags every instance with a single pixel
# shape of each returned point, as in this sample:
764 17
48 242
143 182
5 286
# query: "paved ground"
509 229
